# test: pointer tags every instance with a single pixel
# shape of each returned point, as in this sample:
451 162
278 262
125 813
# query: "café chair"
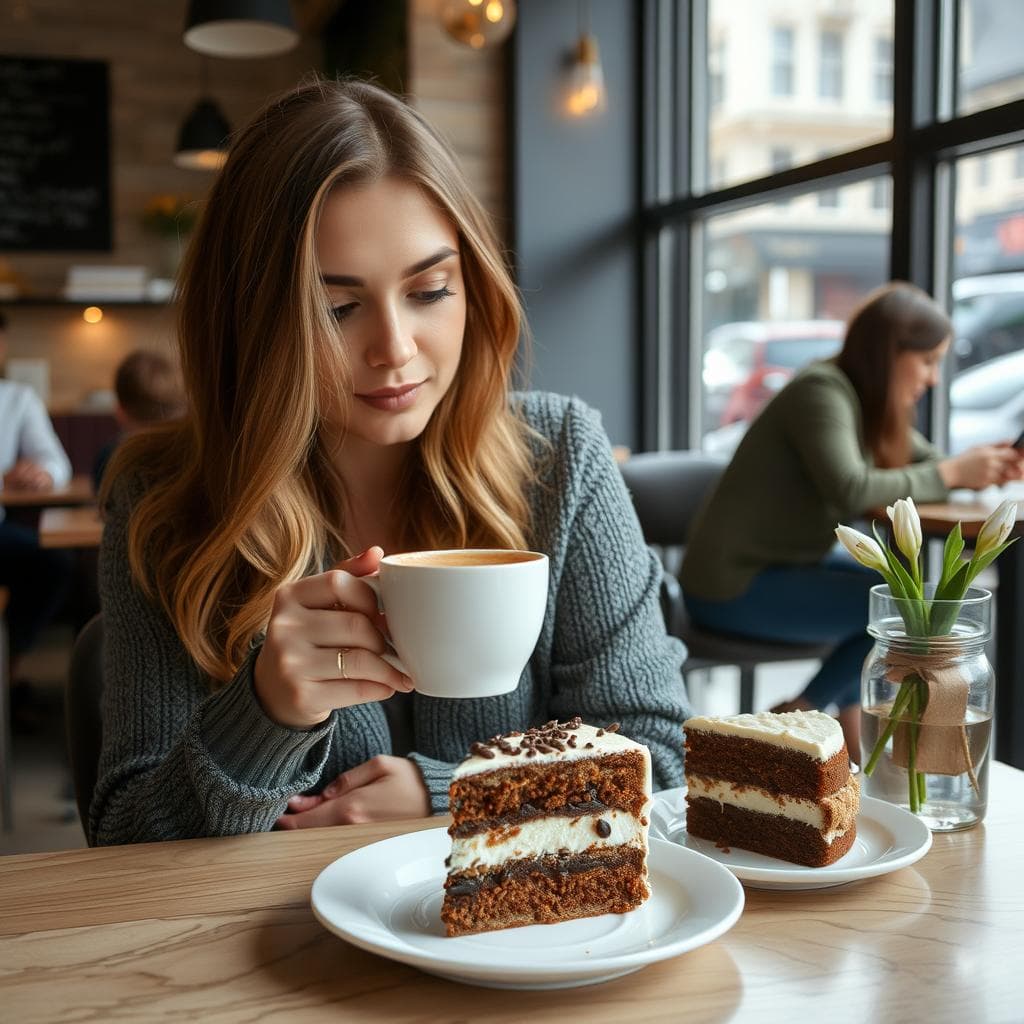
668 489
6 804
82 716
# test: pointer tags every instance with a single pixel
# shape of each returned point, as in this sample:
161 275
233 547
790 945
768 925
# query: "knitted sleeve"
179 761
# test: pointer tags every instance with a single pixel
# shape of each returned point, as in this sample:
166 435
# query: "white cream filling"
607 743
545 836
751 798
810 732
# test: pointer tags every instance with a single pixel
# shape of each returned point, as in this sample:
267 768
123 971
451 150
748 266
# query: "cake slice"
777 784
547 825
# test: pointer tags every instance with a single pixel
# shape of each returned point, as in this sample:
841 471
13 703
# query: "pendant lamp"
478 23
203 141
240 28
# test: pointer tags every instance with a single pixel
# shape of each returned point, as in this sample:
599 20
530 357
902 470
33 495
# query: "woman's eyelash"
340 312
434 296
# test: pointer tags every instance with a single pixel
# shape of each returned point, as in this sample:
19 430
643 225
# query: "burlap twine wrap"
941 750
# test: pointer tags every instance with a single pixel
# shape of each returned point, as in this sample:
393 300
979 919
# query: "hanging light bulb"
479 23
586 82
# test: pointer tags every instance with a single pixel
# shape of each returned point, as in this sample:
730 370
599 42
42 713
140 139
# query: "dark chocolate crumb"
614 727
602 828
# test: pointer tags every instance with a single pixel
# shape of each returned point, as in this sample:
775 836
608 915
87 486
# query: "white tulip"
863 548
996 528
906 527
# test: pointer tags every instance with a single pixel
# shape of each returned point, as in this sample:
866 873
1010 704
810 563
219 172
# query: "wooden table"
78 492
221 930
936 521
79 527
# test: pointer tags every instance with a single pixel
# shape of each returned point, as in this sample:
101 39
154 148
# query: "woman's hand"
981 467
323 647
381 789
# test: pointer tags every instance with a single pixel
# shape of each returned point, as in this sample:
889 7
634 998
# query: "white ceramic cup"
464 622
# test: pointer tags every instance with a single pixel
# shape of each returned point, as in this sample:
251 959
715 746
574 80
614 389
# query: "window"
782 61
716 74
747 127
777 239
777 290
830 67
991 58
883 69
981 171
986 397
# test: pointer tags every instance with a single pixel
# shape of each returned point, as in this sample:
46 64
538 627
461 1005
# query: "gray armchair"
82 714
668 489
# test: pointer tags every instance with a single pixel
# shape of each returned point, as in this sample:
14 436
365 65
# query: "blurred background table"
79 527
78 492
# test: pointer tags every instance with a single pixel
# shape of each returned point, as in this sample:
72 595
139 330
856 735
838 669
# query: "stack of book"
106 284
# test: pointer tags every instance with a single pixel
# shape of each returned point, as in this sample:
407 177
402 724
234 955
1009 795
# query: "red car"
748 362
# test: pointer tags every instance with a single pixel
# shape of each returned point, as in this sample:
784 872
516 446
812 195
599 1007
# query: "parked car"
988 317
745 363
987 403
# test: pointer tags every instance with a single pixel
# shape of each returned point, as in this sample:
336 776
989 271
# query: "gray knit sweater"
180 761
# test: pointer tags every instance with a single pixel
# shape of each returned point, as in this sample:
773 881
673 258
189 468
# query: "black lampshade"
240 28
202 144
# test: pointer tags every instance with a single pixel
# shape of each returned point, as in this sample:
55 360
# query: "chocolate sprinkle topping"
549 738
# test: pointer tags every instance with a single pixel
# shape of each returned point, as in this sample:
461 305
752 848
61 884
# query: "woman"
347 332
837 443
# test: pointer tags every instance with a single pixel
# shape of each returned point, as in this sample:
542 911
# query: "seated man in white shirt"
31 458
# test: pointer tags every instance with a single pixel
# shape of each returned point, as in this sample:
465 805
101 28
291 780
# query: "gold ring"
341 663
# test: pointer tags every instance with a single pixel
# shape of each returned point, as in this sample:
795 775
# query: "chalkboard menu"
54 155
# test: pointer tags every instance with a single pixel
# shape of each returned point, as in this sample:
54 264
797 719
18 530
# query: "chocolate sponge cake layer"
765 765
768 834
524 791
546 890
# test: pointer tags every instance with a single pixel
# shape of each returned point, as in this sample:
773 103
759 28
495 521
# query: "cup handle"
390 655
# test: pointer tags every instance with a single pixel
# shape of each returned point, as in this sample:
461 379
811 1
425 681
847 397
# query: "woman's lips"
391 399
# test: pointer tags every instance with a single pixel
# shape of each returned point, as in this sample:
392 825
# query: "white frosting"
609 743
752 798
546 836
810 732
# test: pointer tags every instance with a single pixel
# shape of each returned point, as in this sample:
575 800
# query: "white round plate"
888 837
386 898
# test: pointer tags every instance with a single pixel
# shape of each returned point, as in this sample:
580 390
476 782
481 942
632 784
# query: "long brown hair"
242 494
898 317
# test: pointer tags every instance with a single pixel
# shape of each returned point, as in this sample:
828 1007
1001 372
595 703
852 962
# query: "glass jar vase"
926 706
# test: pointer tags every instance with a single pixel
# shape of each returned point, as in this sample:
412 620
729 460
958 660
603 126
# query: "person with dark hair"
31 459
836 444
148 390
349 334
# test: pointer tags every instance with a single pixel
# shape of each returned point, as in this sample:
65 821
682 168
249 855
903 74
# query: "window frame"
927 137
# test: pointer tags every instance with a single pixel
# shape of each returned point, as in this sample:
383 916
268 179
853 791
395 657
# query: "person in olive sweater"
836 444
348 332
